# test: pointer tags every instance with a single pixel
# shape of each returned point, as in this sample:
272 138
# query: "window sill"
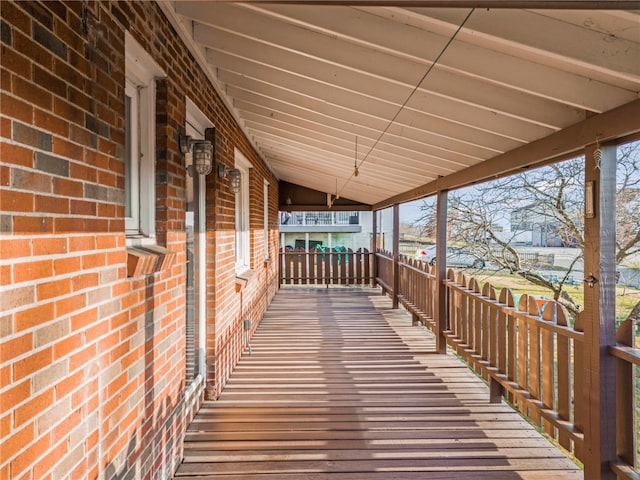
148 259
242 279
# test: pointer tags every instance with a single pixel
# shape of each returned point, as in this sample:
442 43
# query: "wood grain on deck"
340 386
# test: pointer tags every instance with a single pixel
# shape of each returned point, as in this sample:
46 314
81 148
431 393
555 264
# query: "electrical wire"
404 104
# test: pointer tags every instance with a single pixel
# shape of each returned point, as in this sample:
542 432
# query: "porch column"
599 313
440 310
374 247
396 254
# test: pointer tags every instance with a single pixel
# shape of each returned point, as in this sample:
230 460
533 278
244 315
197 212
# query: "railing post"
440 293
396 255
599 313
374 247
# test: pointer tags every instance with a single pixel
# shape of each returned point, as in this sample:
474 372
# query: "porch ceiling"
306 80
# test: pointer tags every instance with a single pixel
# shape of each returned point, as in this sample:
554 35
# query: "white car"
456 257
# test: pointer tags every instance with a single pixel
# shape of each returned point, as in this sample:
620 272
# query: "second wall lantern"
233 174
202 153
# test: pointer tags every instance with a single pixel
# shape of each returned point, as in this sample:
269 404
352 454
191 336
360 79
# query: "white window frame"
141 71
265 199
242 241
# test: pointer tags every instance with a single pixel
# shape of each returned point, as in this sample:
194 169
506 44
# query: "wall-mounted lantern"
202 153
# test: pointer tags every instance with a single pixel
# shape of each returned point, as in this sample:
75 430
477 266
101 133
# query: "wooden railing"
328 267
417 290
527 352
384 266
627 362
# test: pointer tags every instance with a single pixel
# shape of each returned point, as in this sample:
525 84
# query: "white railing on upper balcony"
319 218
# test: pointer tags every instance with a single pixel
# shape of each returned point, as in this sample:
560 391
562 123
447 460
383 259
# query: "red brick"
16 347
32 364
46 120
109 210
5 274
93 260
67 110
53 289
46 204
6 127
53 456
15 248
15 108
85 242
82 357
50 82
13 201
5 425
16 395
67 149
34 316
83 172
98 330
24 272
84 319
116 257
49 246
16 155
32 93
16 63
67 345
16 17
66 265
70 384
82 207
67 305
70 225
5 379
84 281
18 441
30 225
28 458
67 188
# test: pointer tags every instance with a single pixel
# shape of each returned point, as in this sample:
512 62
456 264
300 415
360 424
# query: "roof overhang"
421 95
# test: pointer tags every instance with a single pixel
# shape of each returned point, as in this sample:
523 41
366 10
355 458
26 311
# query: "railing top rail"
413 268
514 312
628 354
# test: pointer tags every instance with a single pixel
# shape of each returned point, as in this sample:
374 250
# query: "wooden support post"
374 247
396 255
599 313
441 272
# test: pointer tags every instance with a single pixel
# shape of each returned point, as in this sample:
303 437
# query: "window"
265 200
139 123
242 214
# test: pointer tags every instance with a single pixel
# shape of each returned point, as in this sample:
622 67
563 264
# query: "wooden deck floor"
340 386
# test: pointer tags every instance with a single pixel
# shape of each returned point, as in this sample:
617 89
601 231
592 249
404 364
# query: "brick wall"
91 360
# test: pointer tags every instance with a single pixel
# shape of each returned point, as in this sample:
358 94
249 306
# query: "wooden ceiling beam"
616 123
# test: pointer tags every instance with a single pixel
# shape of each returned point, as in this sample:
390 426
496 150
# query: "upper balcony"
320 222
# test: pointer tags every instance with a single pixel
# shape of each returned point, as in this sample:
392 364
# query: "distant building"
326 229
532 227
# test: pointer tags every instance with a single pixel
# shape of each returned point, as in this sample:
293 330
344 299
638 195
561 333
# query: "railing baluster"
547 356
563 359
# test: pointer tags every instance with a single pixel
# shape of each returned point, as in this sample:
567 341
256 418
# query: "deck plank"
340 386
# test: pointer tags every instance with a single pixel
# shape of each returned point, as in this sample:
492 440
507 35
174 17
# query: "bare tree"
549 201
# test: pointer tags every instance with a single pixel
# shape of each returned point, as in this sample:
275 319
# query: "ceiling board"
305 80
